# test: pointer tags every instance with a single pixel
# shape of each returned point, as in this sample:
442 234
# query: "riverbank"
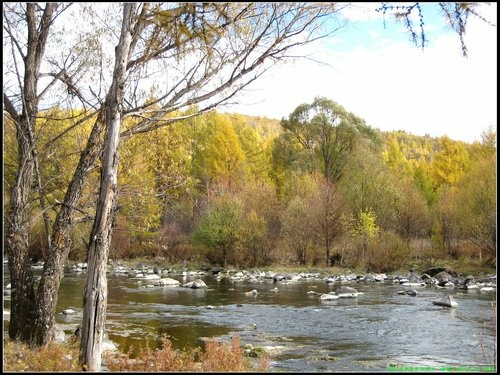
369 331
463 266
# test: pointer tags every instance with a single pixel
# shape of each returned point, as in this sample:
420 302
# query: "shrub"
49 358
217 357
389 253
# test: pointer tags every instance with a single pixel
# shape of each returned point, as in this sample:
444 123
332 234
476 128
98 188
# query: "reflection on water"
372 332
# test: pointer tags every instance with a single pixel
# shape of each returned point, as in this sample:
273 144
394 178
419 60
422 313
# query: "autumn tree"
261 228
444 229
413 216
296 231
256 146
21 103
366 229
61 71
253 240
219 156
423 178
395 158
96 287
327 207
450 163
474 206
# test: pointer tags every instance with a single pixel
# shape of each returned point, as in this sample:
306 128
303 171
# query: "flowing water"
377 331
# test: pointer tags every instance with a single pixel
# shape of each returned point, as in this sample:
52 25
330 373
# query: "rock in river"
347 292
447 301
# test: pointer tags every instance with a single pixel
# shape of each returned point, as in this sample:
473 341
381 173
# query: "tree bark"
22 284
95 292
43 330
17 237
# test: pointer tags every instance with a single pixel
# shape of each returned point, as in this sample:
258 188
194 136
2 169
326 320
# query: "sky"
377 73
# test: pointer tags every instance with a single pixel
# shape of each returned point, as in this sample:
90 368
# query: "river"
378 331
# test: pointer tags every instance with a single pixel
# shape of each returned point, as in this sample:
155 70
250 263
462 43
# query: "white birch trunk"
96 291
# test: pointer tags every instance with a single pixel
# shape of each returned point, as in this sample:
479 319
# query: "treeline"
318 188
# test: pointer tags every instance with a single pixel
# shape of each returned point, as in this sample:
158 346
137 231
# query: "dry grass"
217 357
49 358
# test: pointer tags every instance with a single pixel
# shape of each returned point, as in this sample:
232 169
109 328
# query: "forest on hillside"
318 188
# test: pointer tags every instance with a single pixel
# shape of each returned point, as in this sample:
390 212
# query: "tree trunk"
17 237
22 284
327 251
96 291
43 330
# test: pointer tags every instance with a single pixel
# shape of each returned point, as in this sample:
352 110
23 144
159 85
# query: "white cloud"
395 86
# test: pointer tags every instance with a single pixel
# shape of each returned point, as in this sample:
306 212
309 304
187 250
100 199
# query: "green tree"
288 157
423 179
369 183
326 128
218 228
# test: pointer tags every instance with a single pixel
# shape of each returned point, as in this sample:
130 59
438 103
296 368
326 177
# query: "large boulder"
433 271
447 301
196 284
442 278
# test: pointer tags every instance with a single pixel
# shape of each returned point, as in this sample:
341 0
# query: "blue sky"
377 73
